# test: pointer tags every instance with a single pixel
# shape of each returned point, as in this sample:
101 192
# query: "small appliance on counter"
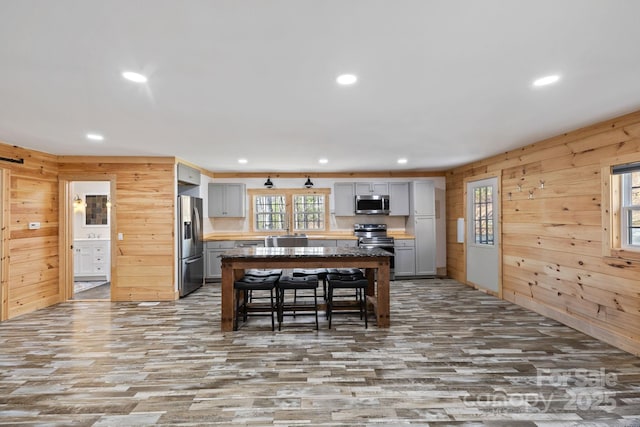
190 246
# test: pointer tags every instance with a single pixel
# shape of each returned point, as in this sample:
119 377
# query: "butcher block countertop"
330 235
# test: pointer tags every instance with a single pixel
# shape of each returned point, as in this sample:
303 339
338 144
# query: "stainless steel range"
375 236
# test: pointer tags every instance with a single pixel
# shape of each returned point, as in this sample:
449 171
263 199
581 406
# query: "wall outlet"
34 226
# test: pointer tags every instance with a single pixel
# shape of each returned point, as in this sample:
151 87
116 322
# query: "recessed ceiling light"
243 161
346 79
402 161
95 137
547 80
323 161
134 77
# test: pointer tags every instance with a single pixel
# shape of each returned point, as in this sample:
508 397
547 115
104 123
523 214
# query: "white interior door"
482 243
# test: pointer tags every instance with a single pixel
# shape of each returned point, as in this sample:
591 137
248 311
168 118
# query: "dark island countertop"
303 252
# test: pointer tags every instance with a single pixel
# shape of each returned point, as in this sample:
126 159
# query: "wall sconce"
531 193
308 183
77 200
541 183
519 187
509 195
268 183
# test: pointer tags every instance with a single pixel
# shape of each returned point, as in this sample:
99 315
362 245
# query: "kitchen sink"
286 240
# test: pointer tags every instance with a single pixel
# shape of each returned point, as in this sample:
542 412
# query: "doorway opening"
91 239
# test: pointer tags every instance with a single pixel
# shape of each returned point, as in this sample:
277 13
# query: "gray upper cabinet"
344 199
188 175
226 200
399 199
364 188
423 198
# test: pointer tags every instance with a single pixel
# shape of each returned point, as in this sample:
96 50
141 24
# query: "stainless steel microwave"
372 205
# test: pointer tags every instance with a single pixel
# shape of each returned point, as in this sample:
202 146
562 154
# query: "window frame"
483 216
288 194
626 208
613 222
295 214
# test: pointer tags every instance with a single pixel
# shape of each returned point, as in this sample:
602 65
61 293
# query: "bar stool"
320 273
297 284
256 272
359 284
247 285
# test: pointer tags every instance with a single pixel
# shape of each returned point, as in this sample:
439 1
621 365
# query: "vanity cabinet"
226 200
91 260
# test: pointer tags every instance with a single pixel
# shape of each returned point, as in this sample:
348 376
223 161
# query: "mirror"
96 212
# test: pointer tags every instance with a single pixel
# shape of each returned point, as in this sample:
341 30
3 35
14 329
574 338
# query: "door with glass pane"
483 255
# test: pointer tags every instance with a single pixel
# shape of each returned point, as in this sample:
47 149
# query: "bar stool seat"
320 273
359 284
247 285
355 272
256 272
297 284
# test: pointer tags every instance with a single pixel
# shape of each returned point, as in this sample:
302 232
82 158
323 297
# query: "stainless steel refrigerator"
190 251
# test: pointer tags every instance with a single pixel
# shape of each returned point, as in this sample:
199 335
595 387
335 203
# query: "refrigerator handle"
197 225
191 261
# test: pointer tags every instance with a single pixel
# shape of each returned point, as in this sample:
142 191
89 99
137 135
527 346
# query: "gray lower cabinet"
212 251
425 232
326 243
347 243
404 258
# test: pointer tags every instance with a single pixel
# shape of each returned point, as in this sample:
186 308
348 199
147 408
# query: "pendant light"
268 183
308 184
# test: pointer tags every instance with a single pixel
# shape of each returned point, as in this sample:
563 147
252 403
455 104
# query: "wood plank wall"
552 245
144 207
30 260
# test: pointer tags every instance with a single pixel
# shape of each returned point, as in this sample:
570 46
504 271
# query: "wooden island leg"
382 294
227 299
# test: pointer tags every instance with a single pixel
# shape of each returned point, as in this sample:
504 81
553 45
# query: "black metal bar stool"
355 282
297 284
320 273
256 272
247 285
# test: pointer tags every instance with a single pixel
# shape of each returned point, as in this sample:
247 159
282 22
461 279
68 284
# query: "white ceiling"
441 83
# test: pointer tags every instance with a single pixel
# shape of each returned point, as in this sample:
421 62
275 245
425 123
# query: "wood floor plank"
452 356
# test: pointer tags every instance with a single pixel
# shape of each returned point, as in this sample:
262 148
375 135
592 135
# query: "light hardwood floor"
453 356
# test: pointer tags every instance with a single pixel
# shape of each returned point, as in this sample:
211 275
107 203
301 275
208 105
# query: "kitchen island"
235 261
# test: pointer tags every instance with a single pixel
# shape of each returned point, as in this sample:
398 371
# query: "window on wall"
621 207
483 215
289 210
308 211
629 205
270 213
